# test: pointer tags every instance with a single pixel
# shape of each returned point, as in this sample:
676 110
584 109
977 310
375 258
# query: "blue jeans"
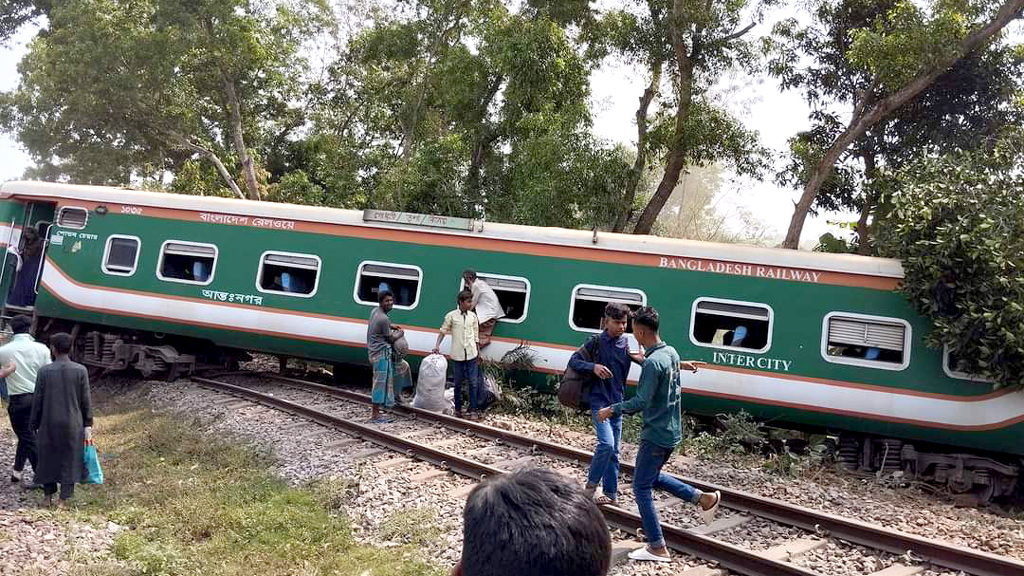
648 475
3 390
604 466
468 370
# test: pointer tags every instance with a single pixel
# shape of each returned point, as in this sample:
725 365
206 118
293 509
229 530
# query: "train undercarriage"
979 477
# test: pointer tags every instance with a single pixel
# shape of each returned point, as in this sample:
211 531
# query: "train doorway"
29 237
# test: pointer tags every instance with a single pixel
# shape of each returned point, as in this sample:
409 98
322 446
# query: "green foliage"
739 431
193 504
829 243
860 51
958 226
115 89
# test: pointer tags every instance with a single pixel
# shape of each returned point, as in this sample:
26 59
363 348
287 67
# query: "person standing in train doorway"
380 335
659 398
462 324
610 367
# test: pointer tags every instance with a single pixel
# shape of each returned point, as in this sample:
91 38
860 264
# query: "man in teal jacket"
658 396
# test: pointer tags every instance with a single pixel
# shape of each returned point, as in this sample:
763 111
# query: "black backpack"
574 388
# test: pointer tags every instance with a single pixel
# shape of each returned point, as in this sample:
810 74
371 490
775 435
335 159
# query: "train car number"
134 210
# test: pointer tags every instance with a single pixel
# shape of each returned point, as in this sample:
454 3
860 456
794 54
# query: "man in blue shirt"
610 367
659 398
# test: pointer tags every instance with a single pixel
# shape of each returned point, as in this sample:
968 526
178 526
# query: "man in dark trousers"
659 398
20 361
610 366
62 421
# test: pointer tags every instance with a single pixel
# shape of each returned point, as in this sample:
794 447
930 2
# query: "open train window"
121 256
72 217
950 365
731 324
402 280
513 294
588 302
871 341
187 262
287 273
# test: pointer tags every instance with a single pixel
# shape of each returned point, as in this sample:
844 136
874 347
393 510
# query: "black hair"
21 324
616 311
61 343
533 522
384 294
465 295
469 273
647 317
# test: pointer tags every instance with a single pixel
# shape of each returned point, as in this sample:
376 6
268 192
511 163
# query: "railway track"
819 527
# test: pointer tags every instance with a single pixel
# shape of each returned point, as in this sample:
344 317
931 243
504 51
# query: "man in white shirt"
21 359
464 328
485 304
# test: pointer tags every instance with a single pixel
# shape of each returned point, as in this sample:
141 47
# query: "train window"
187 262
286 273
950 365
513 294
401 279
731 324
861 340
72 217
121 256
587 309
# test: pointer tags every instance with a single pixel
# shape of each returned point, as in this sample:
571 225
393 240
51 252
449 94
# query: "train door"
29 254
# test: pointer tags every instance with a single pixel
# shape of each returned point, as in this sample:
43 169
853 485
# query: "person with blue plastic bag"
62 421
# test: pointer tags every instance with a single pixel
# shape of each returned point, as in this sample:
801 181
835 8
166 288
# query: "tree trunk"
864 118
486 136
212 157
676 158
248 169
863 232
641 149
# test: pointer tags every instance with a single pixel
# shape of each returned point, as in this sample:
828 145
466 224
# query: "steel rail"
943 554
737 559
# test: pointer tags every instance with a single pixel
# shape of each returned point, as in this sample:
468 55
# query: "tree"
115 88
902 53
963 108
467 108
698 41
699 210
958 226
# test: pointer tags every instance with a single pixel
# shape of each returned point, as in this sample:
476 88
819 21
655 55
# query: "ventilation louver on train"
291 261
733 310
610 295
866 333
70 217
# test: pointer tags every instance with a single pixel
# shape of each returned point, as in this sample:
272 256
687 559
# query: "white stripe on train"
758 388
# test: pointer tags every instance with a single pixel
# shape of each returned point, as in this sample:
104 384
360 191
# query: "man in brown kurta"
62 420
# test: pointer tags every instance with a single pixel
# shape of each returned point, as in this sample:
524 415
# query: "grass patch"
417 526
194 504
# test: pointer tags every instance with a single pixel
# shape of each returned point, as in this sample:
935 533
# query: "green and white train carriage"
812 339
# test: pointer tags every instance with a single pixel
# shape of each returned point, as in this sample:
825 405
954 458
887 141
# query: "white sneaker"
645 554
15 476
708 516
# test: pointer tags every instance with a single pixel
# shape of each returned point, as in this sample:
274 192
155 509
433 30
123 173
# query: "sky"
615 88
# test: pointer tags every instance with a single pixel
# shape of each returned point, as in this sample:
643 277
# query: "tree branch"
735 35
861 123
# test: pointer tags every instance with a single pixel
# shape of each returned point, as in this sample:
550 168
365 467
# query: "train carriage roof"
671 247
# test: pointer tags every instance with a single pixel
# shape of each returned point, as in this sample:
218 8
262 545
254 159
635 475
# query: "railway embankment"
184 496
